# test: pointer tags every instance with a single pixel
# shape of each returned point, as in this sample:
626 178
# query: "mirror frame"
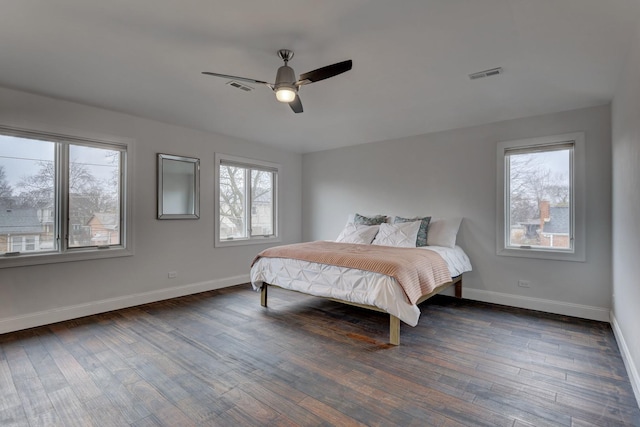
194 194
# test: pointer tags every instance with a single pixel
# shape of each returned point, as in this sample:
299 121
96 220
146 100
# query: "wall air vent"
486 73
240 86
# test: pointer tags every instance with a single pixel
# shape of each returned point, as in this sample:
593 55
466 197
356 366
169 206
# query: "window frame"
577 203
250 164
64 253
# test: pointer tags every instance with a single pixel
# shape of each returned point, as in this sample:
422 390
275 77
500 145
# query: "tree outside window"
246 205
541 197
32 197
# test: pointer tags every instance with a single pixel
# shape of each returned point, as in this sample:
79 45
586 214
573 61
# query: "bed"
285 268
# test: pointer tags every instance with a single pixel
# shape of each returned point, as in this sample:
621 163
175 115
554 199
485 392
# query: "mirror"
178 187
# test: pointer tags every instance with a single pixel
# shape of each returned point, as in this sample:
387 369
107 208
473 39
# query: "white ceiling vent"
486 73
240 86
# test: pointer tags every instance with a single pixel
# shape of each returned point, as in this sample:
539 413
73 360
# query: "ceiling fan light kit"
286 86
285 94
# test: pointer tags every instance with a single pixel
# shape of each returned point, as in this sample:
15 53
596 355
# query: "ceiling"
411 61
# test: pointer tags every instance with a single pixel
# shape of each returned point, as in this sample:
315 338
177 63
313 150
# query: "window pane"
232 202
27 194
94 196
261 203
540 199
16 244
30 244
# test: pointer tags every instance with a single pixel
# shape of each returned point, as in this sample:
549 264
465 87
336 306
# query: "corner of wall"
632 369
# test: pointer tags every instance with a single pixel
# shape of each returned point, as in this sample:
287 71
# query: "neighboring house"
550 230
262 215
20 230
46 218
104 228
554 225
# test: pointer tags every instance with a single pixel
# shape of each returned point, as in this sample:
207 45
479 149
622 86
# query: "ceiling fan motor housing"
285 77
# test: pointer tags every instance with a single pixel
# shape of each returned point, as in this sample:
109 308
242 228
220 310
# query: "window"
30 244
246 201
61 198
541 198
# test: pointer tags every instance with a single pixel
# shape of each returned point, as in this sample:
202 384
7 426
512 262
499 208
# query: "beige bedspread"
418 271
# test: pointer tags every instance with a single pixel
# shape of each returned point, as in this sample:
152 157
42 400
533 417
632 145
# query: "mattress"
357 286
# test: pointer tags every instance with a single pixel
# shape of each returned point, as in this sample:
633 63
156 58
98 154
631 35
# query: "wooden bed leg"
263 295
458 289
394 330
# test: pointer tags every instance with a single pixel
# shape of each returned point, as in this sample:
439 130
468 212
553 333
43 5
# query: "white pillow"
356 233
401 235
443 232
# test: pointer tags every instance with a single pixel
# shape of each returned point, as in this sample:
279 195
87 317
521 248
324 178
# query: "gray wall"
453 173
626 212
44 293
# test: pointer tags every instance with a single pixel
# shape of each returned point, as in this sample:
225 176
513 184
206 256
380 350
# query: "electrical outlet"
172 274
524 283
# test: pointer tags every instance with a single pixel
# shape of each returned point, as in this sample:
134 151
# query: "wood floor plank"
104 413
9 397
283 403
69 409
326 412
73 371
218 359
33 396
129 406
157 404
13 417
46 419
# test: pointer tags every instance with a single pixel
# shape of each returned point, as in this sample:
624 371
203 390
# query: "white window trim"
81 254
256 240
579 199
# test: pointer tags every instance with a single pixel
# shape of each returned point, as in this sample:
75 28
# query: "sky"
20 157
556 161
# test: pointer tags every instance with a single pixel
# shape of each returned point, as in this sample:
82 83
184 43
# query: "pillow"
365 220
443 232
355 233
401 235
422 231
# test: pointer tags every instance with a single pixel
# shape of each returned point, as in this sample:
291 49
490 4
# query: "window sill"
244 242
54 258
542 254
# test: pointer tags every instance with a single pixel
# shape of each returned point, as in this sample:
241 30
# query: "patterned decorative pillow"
365 220
422 232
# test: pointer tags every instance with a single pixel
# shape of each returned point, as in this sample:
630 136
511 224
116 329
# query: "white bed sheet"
348 284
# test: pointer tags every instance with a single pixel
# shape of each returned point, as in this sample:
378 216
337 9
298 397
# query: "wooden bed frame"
394 322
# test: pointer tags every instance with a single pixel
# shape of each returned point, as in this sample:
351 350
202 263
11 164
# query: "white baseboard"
46 317
632 370
549 306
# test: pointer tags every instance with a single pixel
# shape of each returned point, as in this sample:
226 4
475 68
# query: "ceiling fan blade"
324 72
243 79
296 105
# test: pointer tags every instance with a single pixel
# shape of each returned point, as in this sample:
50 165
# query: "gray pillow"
365 220
421 240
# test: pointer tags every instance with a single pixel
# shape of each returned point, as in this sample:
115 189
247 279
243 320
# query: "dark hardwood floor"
219 358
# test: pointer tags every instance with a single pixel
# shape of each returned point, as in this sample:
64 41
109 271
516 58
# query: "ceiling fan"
286 86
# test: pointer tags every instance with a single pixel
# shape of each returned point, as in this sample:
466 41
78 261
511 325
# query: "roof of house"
19 221
558 220
108 220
